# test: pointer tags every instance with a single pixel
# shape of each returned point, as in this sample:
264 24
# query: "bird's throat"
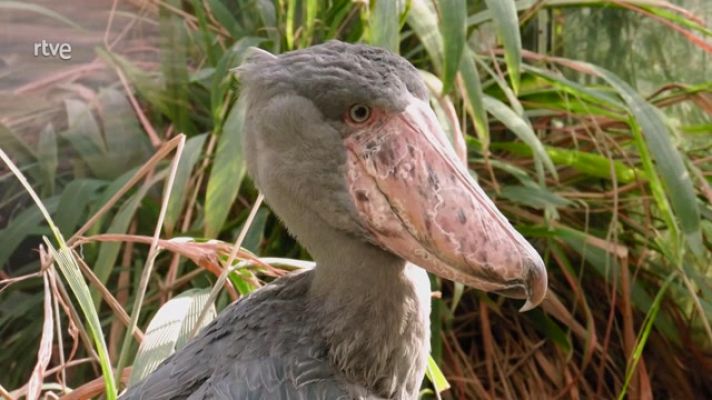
375 316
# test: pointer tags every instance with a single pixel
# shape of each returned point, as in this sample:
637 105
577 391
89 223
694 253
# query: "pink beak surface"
418 201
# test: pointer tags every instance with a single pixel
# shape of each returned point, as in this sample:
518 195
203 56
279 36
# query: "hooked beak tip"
536 286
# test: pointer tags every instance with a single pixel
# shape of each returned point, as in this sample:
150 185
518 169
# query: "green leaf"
436 376
506 22
644 333
453 32
109 251
169 330
207 37
174 65
522 129
73 203
592 94
16 146
591 164
226 173
268 15
223 80
254 235
474 96
549 328
385 25
145 83
85 136
126 142
24 224
239 280
72 274
502 84
424 21
533 196
668 160
225 18
311 8
191 155
47 157
289 23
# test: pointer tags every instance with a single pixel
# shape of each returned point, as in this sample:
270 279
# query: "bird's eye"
359 113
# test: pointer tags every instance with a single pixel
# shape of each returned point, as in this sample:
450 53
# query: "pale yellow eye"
359 113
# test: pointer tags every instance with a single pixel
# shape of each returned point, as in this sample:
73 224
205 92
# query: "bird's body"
281 343
343 144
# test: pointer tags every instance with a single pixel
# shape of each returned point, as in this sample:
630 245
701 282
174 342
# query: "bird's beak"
419 201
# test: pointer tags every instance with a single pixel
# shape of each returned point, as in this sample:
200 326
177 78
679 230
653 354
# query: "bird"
341 140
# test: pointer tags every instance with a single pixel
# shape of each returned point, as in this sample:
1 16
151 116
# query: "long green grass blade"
191 155
385 25
16 146
84 134
592 164
47 157
127 144
175 69
227 172
650 318
310 12
74 203
424 20
21 226
453 32
268 14
72 274
474 96
109 251
223 15
522 129
506 22
668 160
289 23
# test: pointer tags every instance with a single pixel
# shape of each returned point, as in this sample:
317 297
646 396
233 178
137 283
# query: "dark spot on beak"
461 216
432 178
411 151
385 155
361 196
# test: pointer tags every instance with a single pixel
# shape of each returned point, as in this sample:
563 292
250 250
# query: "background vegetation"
589 123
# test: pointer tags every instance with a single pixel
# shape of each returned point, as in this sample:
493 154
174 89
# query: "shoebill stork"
342 141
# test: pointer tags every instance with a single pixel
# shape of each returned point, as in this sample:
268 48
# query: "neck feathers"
375 314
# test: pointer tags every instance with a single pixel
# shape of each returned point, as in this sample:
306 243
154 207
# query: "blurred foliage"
588 122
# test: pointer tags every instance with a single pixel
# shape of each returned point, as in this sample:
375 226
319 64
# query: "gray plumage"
363 195
356 327
335 75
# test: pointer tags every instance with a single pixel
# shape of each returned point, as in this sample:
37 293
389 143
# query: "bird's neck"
375 311
371 307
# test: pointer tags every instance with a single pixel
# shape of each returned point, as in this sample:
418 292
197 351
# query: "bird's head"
346 131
